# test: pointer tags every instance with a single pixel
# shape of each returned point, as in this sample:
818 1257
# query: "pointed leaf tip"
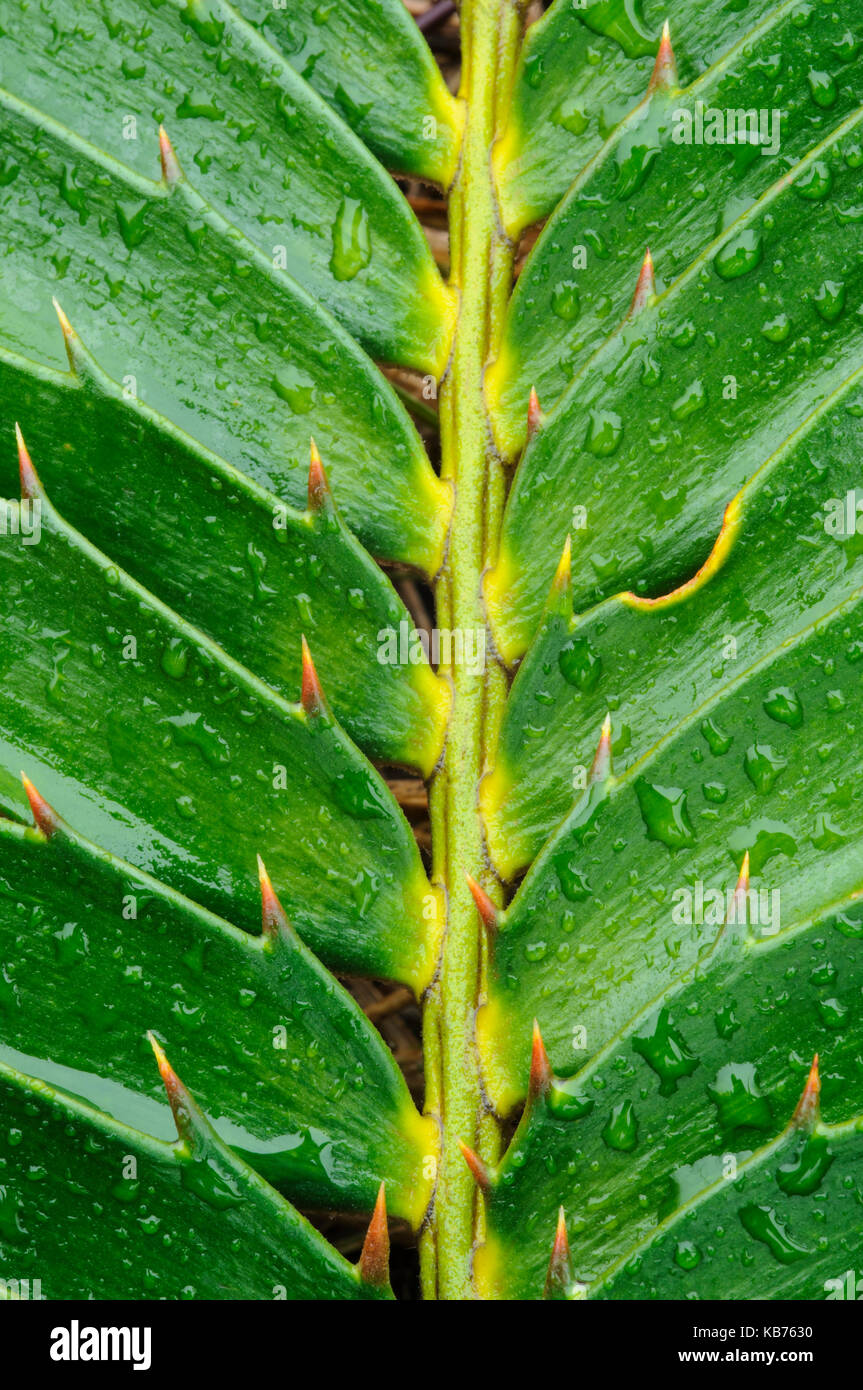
71 341
374 1262
645 286
274 919
534 413
664 75
601 767
485 907
44 816
311 694
540 1067
559 1277
476 1166
808 1111
30 485
171 171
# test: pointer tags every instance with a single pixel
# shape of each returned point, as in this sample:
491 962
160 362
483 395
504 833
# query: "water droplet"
763 765
621 1131
352 249
664 1049
131 219
763 1223
175 659
580 665
693 399
829 300
783 705
814 183
665 815
687 1255
822 87
296 388
571 115
802 1174
573 883
740 254
604 433
565 301
777 329
738 1098
718 741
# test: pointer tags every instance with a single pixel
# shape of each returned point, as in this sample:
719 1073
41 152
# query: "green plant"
680 742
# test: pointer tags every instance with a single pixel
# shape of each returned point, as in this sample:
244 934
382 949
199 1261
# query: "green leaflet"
369 61
582 69
772 1229
159 747
690 397
182 310
653 662
94 954
263 148
193 1222
216 544
644 186
710 1069
757 768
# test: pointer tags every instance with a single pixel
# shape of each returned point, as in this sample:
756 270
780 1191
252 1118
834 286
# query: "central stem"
481 260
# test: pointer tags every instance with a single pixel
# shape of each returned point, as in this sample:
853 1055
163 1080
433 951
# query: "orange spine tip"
476 1166
171 171
559 1277
540 1067
311 695
65 326
645 286
374 1265
320 496
30 486
274 920
563 572
44 816
534 413
484 905
808 1110
71 341
178 1097
664 75
601 768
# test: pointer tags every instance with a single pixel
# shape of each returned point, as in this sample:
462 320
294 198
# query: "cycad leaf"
652 662
657 180
705 1072
156 745
581 69
369 61
95 954
698 376
216 544
188 315
194 1221
261 145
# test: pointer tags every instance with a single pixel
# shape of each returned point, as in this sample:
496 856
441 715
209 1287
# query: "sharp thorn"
374 1263
274 921
320 495
476 1166
559 1277
311 695
75 351
181 1103
601 768
540 1067
171 171
489 914
534 413
664 75
30 485
645 287
44 816
808 1111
